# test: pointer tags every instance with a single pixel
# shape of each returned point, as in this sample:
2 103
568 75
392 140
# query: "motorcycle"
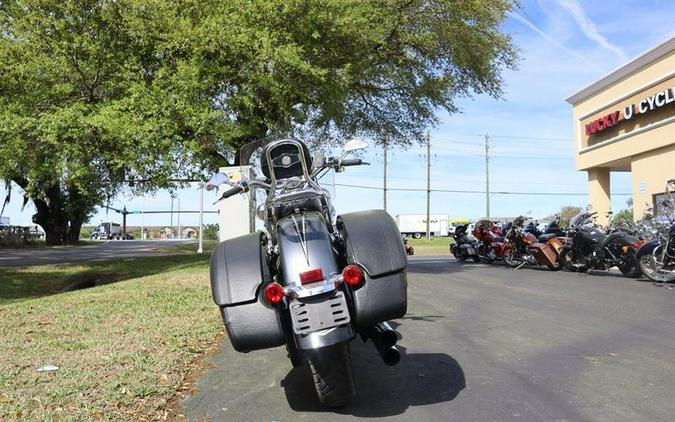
312 281
524 248
657 257
464 246
590 248
409 249
491 245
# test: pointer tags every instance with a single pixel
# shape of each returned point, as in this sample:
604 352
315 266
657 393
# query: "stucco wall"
652 169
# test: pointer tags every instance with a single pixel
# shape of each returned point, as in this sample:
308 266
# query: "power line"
482 192
533 138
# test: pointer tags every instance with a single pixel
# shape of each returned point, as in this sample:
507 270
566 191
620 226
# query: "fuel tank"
592 235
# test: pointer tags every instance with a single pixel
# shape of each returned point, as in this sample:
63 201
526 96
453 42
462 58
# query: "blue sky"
564 45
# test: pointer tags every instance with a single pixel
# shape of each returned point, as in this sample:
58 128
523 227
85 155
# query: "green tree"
98 92
623 216
567 213
210 232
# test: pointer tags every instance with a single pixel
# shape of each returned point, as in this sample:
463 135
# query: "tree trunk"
74 231
52 217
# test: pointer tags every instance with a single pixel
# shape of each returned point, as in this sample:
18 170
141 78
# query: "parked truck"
104 232
415 225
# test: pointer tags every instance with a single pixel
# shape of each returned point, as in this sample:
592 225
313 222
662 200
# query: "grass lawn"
435 246
123 348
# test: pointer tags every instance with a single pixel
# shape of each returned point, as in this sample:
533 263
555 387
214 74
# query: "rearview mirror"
217 180
318 159
355 145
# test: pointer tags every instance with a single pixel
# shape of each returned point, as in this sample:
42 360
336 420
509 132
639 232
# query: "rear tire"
631 267
416 235
557 266
332 374
565 260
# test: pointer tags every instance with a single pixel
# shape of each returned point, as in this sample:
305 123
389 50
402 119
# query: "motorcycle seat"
546 237
304 201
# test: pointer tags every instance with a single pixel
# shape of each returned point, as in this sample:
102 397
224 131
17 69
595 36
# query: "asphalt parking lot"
481 343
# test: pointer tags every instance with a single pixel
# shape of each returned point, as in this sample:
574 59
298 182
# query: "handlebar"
233 191
352 162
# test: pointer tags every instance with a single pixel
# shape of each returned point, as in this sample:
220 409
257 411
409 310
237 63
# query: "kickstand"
520 266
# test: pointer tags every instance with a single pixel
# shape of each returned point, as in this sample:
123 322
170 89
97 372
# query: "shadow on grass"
21 283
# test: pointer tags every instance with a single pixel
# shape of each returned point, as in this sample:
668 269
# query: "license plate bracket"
309 316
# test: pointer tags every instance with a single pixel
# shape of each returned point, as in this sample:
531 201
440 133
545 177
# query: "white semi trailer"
415 225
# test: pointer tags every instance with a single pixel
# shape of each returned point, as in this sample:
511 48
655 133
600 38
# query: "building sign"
645 105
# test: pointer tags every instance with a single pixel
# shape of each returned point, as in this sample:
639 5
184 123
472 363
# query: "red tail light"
637 245
273 293
311 276
352 275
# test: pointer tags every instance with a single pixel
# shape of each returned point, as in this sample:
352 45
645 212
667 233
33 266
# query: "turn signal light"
273 293
352 275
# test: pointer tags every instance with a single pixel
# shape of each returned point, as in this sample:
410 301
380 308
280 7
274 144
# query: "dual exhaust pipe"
384 338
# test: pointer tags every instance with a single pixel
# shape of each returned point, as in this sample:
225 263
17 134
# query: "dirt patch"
86 281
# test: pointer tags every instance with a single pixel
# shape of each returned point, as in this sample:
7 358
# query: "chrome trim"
326 286
325 338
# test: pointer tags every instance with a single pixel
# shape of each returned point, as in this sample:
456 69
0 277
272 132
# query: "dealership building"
626 122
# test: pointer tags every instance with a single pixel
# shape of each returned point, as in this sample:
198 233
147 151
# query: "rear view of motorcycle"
657 257
312 281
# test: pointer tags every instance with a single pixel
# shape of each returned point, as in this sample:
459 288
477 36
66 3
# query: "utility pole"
172 197
487 176
428 184
385 176
200 249
179 218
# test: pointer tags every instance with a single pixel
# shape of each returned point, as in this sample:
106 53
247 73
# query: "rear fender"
305 244
648 248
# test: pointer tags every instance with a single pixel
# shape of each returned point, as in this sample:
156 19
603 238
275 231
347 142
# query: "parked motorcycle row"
646 247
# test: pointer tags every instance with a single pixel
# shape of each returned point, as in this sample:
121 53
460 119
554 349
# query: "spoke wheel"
655 272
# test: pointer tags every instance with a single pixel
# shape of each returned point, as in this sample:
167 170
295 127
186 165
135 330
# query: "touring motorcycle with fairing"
312 281
525 248
464 246
491 246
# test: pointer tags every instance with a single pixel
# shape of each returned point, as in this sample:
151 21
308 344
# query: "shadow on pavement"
419 379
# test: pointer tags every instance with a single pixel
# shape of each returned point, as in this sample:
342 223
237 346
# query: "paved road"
482 343
99 252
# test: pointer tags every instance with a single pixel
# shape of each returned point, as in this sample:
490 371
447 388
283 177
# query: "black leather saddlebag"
239 271
372 241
